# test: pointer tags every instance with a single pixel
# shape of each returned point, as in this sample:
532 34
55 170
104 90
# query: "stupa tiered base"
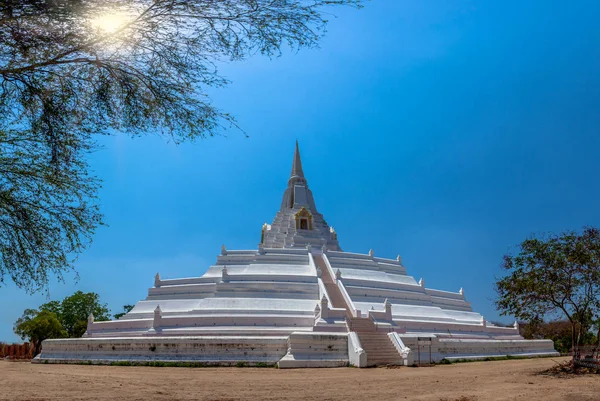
296 301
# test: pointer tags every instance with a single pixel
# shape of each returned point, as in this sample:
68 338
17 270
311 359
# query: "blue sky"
446 131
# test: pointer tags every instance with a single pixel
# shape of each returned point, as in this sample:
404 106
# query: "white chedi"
297 300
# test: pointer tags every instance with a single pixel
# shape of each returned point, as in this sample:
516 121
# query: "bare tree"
71 69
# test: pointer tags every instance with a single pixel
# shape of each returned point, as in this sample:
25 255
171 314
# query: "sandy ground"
499 380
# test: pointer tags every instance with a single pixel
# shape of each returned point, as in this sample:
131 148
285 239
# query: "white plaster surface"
207 349
272 304
356 354
376 276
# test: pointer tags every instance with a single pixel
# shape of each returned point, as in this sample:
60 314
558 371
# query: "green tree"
38 326
557 276
559 331
126 310
72 69
73 311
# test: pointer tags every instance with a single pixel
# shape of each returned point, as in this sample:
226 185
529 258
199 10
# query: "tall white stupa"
297 300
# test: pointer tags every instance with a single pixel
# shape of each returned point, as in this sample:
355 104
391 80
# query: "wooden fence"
16 351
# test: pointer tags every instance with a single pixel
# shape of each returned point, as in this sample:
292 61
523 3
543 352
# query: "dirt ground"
498 380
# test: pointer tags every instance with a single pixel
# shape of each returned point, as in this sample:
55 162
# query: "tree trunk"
573 344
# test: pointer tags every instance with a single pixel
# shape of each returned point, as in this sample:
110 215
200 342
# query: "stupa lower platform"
296 301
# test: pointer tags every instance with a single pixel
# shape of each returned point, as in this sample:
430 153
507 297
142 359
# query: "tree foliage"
65 77
557 276
37 326
48 207
72 313
150 73
559 331
74 310
126 310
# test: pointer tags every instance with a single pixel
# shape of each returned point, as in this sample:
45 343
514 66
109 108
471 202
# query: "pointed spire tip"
297 163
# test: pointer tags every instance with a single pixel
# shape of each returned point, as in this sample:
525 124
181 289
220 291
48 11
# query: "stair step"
374 341
378 346
383 356
374 336
387 352
383 362
382 351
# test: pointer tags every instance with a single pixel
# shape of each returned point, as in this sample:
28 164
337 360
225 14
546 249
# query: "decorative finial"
371 253
90 325
223 250
157 280
262 233
338 274
324 308
516 325
297 164
422 282
324 248
157 318
309 248
387 306
461 291
399 259
224 274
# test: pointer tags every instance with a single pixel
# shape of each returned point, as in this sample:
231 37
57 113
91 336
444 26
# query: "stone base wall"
299 349
315 350
473 349
211 350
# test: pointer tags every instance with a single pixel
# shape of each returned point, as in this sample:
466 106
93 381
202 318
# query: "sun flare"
109 22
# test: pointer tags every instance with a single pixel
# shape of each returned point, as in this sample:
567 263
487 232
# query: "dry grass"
566 369
477 381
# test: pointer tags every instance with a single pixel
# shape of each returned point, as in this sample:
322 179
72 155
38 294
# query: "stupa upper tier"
298 223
